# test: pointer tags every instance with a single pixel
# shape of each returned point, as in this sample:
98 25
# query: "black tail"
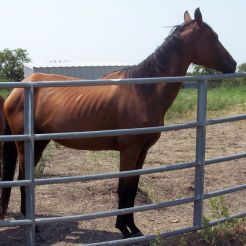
8 170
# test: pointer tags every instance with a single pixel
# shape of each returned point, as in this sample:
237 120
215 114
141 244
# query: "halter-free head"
203 45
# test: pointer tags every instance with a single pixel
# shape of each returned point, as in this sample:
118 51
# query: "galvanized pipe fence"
199 163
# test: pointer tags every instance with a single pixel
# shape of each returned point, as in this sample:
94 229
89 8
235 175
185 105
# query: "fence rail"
199 163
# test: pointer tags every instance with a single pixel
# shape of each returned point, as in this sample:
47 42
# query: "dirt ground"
94 196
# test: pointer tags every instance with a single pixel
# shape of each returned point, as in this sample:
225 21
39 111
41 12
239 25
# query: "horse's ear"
198 16
187 17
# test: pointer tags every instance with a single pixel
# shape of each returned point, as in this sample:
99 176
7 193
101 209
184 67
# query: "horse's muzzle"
229 67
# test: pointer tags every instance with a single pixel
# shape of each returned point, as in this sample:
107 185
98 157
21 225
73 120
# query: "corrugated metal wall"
87 72
27 71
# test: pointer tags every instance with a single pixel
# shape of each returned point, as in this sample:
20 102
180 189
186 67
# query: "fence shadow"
66 233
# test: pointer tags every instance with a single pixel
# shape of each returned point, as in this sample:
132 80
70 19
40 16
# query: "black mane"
159 61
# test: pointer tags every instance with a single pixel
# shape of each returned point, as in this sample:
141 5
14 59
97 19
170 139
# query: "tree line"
12 66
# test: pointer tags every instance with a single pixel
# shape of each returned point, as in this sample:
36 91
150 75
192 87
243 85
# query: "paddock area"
94 196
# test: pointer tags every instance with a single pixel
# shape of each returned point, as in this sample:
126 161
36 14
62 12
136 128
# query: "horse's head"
203 46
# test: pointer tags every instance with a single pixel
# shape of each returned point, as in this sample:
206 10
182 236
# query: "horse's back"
34 77
14 105
63 109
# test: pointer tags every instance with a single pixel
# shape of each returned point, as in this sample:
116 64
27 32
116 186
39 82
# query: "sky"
111 31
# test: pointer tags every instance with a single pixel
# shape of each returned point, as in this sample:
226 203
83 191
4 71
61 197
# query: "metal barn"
83 71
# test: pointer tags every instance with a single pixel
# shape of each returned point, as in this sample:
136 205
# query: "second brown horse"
90 108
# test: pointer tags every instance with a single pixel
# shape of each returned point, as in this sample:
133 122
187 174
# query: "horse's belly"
109 143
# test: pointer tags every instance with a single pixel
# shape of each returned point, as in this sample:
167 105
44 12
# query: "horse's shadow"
67 233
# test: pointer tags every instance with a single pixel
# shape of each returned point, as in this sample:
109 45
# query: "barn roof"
76 64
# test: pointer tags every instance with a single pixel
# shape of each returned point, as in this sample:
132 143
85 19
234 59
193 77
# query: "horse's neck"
164 94
167 92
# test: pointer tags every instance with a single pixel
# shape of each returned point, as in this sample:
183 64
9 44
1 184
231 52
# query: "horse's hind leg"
127 189
39 147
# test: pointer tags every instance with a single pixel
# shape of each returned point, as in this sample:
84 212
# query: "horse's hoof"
137 234
128 235
125 232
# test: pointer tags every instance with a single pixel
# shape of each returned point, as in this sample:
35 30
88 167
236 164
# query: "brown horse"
89 108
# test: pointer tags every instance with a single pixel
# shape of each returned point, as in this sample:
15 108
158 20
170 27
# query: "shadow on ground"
52 234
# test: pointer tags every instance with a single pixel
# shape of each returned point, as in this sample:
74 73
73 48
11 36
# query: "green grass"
4 93
224 98
46 158
183 104
219 100
231 232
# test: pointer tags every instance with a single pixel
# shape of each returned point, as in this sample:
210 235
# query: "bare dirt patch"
94 196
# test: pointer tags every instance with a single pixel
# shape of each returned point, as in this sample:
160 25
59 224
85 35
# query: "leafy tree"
242 67
201 70
12 64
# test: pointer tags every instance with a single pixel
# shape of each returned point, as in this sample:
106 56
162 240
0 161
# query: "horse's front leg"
129 160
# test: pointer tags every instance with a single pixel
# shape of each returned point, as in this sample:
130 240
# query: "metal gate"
199 163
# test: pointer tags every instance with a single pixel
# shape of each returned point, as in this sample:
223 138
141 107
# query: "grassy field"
220 101
4 92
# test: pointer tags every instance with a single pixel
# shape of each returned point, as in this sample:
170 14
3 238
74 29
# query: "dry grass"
234 235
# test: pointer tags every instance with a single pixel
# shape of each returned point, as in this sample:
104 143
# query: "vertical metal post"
200 153
29 165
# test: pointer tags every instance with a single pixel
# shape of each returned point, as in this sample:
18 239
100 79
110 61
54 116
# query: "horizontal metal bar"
117 132
15 183
131 241
100 82
13 223
86 134
163 235
225 119
224 76
100 176
73 218
15 85
197 78
136 80
145 171
236 216
225 158
75 83
151 237
11 138
224 191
